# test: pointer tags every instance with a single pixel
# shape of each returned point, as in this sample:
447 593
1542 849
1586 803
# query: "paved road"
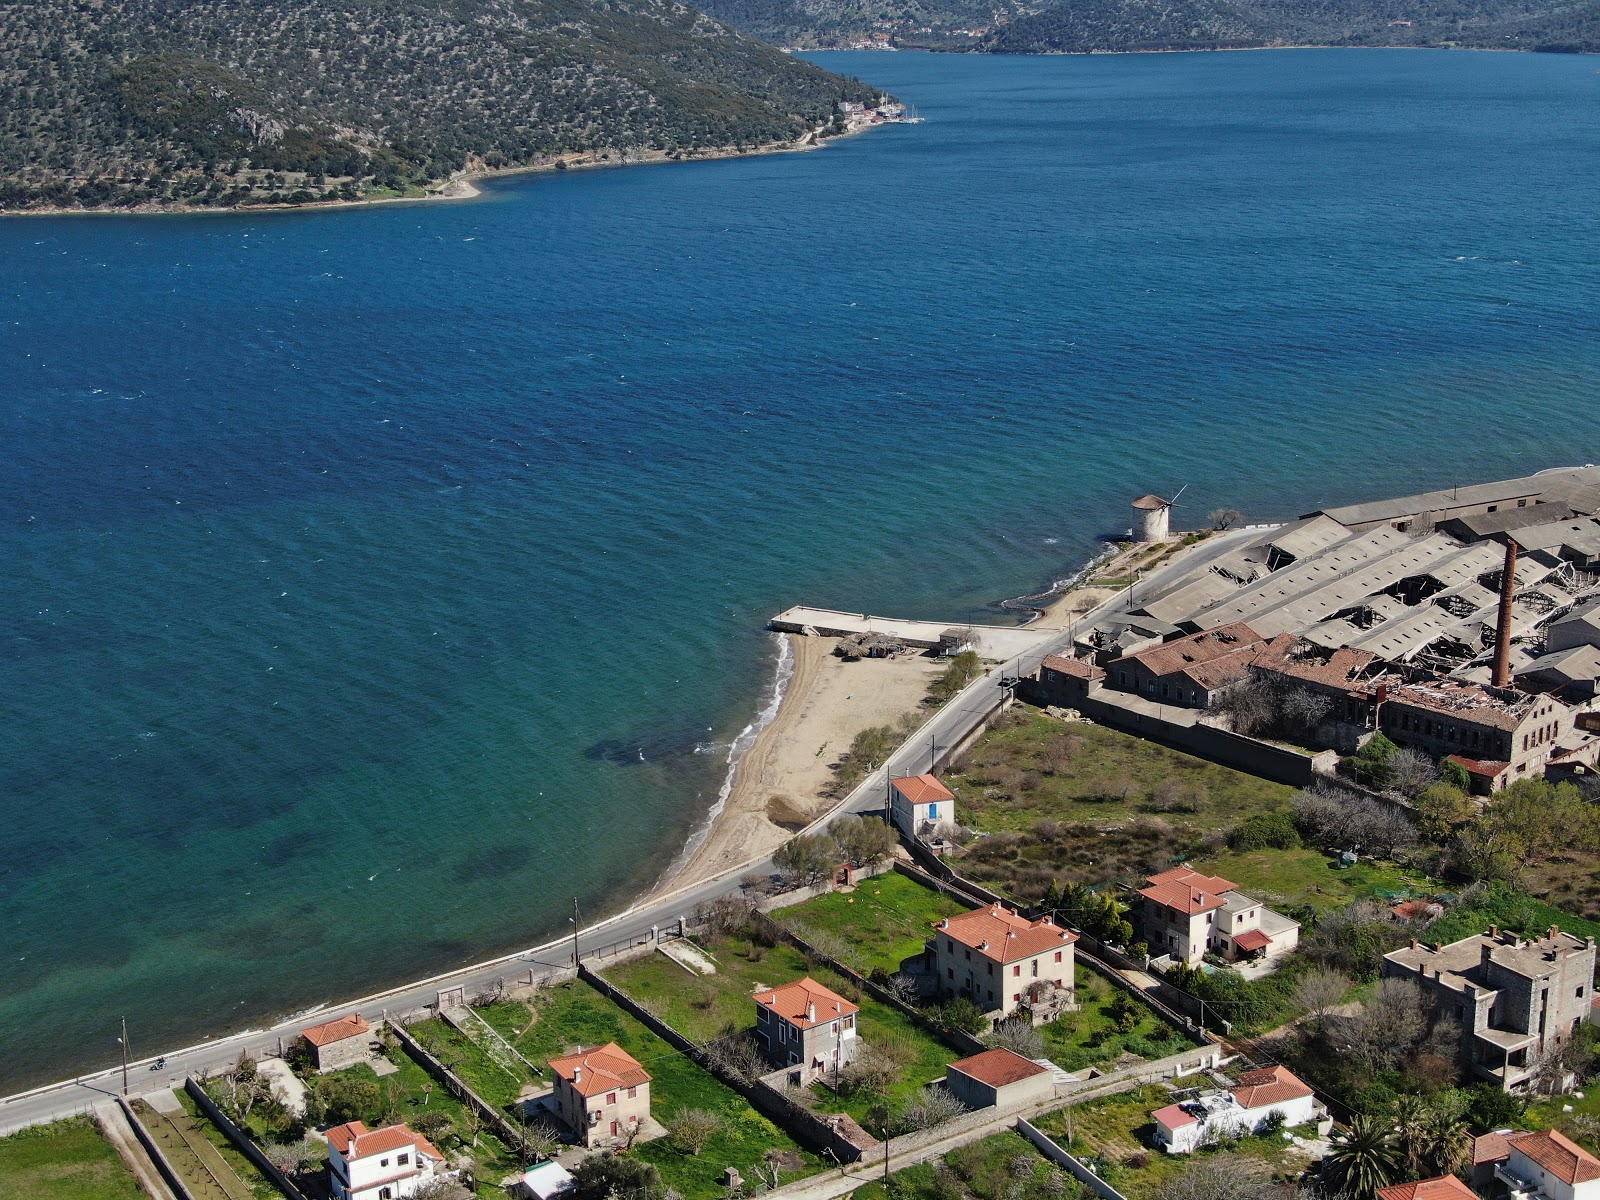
947 727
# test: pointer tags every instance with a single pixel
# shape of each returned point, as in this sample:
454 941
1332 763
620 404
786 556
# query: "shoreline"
1171 50
463 185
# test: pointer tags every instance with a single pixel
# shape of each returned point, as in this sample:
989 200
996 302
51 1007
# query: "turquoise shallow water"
369 580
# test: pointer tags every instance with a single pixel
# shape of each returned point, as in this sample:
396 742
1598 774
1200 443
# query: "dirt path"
119 1133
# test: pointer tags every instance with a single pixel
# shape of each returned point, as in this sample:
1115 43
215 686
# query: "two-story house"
379 1164
1186 914
1003 962
807 1025
1440 1187
602 1095
1548 1166
920 804
1512 998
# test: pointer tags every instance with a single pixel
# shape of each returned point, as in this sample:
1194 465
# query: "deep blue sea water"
368 579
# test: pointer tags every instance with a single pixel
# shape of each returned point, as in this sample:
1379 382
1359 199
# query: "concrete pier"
991 641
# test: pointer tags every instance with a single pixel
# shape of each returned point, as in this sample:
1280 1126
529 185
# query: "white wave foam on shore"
737 749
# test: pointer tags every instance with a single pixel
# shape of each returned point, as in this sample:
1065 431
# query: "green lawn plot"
705 1007
500 1079
1005 1166
197 1161
412 1095
1116 1135
67 1160
877 925
1077 802
1090 1037
1310 877
573 1015
1580 1124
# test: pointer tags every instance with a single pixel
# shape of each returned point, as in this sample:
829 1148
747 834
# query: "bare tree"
738 1054
1223 1177
693 1128
1392 1025
932 1106
1224 518
1319 990
441 1187
1018 1036
1412 773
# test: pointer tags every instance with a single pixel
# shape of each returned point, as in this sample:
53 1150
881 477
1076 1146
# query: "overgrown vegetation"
67 1160
135 102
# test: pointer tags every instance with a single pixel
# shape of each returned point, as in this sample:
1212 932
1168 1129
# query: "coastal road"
948 726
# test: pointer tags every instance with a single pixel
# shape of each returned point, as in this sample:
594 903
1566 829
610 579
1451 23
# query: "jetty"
991 641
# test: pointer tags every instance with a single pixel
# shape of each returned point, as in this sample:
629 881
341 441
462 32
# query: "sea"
376 582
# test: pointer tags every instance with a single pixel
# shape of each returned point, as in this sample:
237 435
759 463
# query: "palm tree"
1449 1142
1411 1118
1364 1158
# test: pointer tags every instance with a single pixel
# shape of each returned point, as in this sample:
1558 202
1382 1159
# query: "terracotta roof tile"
1445 1187
1275 1085
805 1003
1078 668
1558 1154
998 1067
354 1140
1002 935
603 1069
1173 1117
336 1031
922 789
1491 1147
1187 891
1186 652
1252 939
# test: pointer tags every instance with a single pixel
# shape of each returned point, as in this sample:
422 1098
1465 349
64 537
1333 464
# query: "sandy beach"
777 784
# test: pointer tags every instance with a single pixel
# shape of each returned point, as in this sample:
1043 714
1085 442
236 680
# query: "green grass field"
707 1007
1090 1038
69 1160
574 1015
500 1086
231 1154
1003 1167
883 921
1310 877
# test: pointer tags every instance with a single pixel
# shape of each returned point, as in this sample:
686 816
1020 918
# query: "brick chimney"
1502 633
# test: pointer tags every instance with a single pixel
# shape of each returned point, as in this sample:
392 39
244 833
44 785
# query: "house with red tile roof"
1444 1187
379 1164
919 804
807 1026
1186 914
1002 962
998 1078
1548 1166
1193 671
1245 1108
602 1095
339 1043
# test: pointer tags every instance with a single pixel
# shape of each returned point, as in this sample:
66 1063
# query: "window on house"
1580 991
989 967
933 812
1033 967
633 1093
967 954
1058 956
611 1097
950 971
1016 971
850 1022
402 1160
383 1162
1016 997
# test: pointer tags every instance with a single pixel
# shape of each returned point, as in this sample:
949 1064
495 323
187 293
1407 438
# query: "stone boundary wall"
1063 1158
806 1127
457 1087
245 1144
162 1164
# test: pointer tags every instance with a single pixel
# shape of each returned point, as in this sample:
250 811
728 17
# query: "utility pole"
933 752
574 933
124 1040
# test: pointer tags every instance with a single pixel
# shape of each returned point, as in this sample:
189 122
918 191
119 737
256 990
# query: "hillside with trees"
1084 26
163 103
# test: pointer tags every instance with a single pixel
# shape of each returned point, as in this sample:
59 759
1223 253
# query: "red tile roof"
1000 934
1079 668
336 1031
922 789
1173 1117
1186 652
603 1069
805 1003
1257 1089
1558 1154
1445 1187
354 1140
1252 939
1491 1147
998 1067
1187 890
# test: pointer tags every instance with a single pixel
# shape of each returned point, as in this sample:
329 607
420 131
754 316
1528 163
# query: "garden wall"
457 1087
245 1143
163 1165
1075 1168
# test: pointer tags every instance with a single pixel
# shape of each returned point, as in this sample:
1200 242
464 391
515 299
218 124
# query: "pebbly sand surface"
781 776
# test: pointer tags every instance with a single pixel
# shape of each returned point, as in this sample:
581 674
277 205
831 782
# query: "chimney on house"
577 1072
1554 932
1502 633
811 1010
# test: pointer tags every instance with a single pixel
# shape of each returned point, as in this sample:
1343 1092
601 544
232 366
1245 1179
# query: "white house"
1190 1124
543 1182
920 804
379 1164
1187 913
1548 1166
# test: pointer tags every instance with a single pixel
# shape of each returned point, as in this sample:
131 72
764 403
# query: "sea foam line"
740 746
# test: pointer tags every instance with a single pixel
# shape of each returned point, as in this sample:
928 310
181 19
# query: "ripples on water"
371 578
